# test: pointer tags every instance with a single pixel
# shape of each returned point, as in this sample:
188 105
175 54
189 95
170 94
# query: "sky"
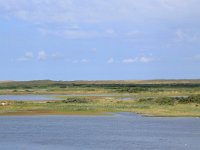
99 39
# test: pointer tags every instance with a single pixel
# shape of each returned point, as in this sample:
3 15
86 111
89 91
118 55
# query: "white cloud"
110 60
145 59
69 33
97 10
83 61
79 33
188 36
72 13
139 59
42 55
27 56
129 60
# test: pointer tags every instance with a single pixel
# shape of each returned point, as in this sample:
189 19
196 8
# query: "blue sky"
99 39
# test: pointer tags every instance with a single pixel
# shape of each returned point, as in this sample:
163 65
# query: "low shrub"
172 100
165 101
146 100
75 100
190 99
19 102
159 100
132 89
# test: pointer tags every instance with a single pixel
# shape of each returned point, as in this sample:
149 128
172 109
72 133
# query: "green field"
150 98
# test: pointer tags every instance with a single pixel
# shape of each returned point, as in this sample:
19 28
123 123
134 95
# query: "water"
28 97
122 131
54 97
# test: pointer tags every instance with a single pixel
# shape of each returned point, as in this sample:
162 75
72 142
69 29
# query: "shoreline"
83 107
82 114
92 113
52 114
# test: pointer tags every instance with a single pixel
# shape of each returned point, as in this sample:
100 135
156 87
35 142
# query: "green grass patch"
149 107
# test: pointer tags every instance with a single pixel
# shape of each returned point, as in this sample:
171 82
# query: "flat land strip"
150 98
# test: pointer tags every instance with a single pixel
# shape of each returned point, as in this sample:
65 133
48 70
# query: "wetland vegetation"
150 98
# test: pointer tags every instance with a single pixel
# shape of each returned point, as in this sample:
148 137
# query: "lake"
28 97
120 131
57 97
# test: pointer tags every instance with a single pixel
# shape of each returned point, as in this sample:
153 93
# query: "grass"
99 107
151 98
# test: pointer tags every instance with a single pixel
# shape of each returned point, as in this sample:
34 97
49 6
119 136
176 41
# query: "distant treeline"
110 85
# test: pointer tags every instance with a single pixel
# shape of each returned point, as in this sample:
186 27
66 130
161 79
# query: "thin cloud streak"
70 15
140 59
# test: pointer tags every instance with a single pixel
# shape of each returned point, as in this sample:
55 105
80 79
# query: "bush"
133 89
172 100
159 101
146 100
190 99
75 100
19 102
165 101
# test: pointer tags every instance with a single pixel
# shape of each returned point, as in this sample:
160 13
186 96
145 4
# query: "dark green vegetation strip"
172 100
123 85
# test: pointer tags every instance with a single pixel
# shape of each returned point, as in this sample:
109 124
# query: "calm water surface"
121 131
28 97
56 97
